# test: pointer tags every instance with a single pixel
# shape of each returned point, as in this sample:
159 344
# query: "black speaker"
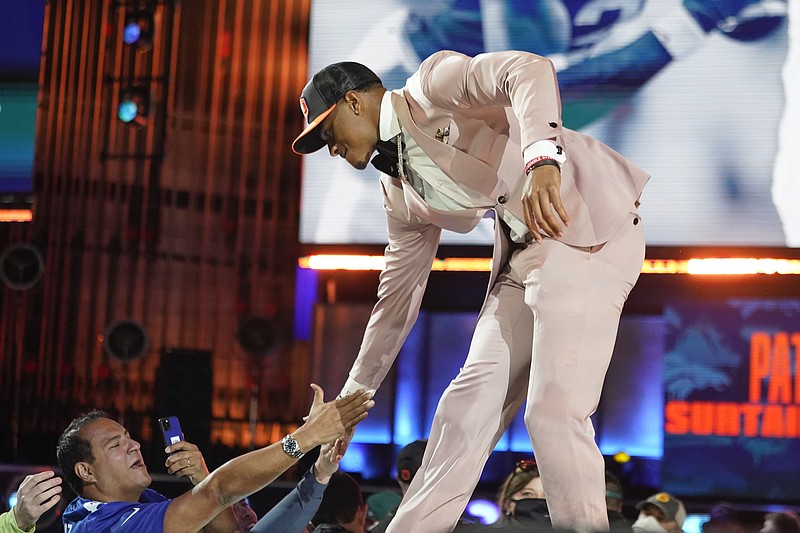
184 388
21 266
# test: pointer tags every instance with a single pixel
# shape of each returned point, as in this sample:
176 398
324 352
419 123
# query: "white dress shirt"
441 192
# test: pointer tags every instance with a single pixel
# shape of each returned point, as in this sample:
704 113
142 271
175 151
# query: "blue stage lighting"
127 111
487 511
12 499
138 29
134 105
132 33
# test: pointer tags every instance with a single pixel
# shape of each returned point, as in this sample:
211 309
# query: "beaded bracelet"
540 162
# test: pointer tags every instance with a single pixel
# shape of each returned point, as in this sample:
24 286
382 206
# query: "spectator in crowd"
104 466
245 516
294 512
723 518
380 506
342 509
408 462
614 500
521 497
37 494
781 522
661 512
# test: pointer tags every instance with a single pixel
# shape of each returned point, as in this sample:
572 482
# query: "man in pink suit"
474 137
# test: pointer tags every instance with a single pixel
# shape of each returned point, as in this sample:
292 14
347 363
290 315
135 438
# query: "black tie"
386 158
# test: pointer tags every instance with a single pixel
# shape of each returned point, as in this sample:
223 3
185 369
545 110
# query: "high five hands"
337 418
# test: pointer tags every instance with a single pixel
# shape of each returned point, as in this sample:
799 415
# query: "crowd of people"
326 499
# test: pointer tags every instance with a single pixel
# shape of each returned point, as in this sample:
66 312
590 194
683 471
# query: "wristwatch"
291 447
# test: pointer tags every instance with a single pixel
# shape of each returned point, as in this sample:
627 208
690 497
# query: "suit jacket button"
502 199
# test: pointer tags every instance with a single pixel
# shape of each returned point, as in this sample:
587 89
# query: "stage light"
21 266
622 457
134 105
488 512
138 29
697 266
125 340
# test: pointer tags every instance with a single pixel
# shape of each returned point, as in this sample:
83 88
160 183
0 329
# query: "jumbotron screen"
21 26
699 93
732 398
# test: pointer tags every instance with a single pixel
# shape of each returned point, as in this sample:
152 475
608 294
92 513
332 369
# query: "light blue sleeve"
295 510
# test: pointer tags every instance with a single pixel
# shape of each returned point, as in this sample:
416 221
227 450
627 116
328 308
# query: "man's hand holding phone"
185 459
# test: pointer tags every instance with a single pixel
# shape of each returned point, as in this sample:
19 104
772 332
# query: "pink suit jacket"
491 105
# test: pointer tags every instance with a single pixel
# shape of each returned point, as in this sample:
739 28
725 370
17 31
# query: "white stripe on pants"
565 302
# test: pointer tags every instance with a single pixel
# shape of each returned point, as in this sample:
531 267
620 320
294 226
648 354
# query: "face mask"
532 508
647 524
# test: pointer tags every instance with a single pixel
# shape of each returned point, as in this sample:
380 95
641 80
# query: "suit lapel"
464 169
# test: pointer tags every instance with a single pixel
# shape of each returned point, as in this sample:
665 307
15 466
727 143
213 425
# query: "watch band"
291 447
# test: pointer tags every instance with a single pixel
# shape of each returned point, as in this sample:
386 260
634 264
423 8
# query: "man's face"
658 514
118 472
348 131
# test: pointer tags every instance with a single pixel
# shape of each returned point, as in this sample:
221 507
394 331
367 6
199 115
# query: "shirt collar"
388 125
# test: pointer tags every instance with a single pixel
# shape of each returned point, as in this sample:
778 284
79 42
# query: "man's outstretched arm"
252 471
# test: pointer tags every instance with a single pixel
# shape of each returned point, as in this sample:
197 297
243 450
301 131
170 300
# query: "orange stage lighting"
16 215
705 266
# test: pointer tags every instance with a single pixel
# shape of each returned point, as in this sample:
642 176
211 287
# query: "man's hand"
330 455
186 461
541 202
37 494
328 421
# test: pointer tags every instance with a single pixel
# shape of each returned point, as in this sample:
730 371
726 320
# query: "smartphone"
170 429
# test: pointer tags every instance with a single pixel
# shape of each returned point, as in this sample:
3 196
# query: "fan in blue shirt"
104 466
145 515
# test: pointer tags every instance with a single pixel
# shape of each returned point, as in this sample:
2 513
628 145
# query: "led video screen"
699 93
732 399
21 26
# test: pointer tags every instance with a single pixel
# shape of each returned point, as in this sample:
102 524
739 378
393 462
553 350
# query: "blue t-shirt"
89 516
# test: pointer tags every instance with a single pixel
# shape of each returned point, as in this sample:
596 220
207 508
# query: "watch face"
291 447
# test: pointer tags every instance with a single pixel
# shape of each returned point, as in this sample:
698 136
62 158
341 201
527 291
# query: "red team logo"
304 107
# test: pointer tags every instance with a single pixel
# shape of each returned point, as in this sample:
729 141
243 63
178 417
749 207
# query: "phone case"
170 429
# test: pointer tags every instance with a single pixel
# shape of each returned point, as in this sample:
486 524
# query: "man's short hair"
72 448
784 522
340 502
614 490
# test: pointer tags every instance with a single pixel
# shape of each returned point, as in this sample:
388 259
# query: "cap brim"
309 140
661 506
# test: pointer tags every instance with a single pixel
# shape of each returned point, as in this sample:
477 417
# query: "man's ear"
354 102
85 472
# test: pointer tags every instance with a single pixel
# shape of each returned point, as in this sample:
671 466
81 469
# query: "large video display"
699 93
21 25
732 399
